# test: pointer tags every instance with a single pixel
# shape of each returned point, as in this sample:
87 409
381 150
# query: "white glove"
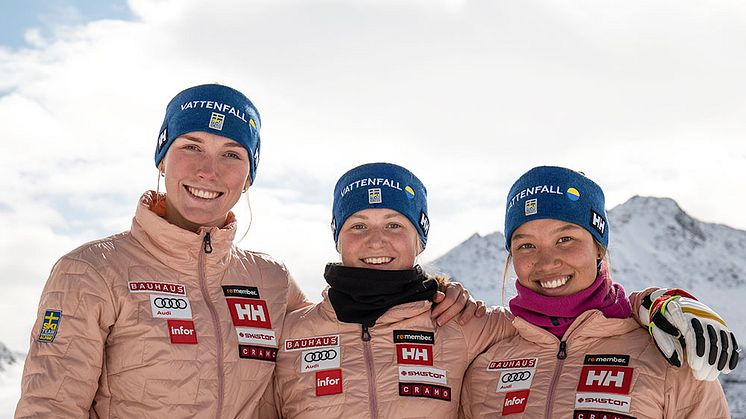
679 323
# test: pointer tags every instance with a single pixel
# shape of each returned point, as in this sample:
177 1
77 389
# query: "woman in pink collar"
579 352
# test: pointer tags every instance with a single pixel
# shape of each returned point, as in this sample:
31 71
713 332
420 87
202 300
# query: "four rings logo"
167 307
511 377
166 302
320 359
323 355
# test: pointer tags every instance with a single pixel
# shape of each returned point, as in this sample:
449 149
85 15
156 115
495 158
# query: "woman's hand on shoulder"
454 301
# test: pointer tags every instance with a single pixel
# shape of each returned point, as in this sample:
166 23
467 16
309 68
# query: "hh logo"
598 222
515 402
414 354
328 382
249 312
182 332
605 379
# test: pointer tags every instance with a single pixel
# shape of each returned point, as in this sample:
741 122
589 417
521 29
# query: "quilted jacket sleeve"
66 354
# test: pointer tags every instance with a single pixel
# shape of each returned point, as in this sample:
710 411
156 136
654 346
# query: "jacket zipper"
207 248
368 353
561 355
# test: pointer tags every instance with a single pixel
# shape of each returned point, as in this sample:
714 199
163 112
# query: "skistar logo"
182 332
414 354
249 312
423 374
605 379
328 382
602 401
515 402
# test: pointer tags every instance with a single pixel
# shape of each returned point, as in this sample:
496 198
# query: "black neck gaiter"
361 295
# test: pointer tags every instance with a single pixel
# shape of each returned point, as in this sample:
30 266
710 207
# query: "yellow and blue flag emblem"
49 325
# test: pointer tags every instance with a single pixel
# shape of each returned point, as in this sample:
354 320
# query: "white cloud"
647 98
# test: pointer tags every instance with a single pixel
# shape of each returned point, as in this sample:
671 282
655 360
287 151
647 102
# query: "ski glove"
678 323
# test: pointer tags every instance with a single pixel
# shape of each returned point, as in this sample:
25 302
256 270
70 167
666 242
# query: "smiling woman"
169 318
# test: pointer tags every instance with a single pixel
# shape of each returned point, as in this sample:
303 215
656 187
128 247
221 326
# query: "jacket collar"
393 315
175 247
590 324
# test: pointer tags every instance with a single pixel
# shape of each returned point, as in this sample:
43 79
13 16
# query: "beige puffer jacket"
403 367
611 370
157 322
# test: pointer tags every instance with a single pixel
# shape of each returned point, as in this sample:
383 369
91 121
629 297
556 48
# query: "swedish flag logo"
49 325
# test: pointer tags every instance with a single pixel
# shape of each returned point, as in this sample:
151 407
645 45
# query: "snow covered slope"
652 242
11 368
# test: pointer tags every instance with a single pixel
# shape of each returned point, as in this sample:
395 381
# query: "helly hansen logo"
182 332
598 222
240 291
408 353
429 391
328 382
515 402
249 313
413 336
257 352
605 379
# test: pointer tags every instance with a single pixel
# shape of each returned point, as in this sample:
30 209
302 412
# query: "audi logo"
515 376
320 355
162 302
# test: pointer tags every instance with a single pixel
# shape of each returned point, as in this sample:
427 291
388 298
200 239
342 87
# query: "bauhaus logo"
413 354
605 379
328 382
249 312
515 402
182 332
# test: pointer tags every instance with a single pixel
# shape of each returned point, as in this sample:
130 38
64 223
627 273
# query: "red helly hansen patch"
249 312
182 332
515 402
328 382
605 379
413 354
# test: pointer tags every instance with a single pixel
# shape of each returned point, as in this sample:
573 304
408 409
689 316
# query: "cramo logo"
327 381
181 330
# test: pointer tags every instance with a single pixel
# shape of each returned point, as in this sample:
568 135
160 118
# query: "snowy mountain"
11 367
653 242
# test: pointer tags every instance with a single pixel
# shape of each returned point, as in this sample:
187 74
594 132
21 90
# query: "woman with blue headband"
578 352
370 349
170 318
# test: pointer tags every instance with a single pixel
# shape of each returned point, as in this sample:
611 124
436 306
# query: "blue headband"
560 194
215 109
381 185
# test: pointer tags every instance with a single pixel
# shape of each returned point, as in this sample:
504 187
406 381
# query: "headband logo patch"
409 191
334 225
162 138
572 194
374 196
531 207
256 159
424 223
216 121
598 223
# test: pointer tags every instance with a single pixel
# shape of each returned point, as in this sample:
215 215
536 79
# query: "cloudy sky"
646 98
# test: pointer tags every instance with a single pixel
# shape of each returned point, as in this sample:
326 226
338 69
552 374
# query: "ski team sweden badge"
49 325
